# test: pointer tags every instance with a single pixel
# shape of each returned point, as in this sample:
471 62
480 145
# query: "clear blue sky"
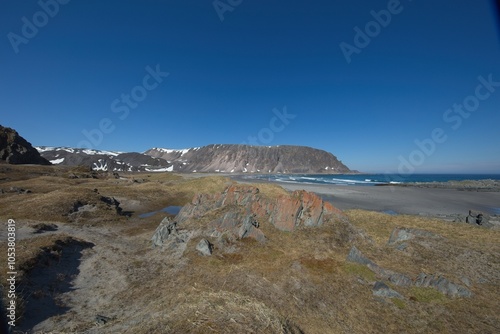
226 77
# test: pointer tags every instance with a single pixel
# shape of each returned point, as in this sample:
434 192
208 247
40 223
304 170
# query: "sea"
369 179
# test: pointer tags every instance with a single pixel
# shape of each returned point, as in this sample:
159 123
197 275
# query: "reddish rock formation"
243 208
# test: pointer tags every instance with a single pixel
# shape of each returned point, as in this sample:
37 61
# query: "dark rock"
380 289
111 201
204 247
76 206
102 320
19 190
14 149
476 218
42 227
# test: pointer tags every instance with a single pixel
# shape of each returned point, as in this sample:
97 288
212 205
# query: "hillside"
251 159
100 160
14 149
207 159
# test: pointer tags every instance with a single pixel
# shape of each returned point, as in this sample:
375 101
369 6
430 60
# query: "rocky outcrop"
14 149
251 159
437 282
241 210
247 208
442 284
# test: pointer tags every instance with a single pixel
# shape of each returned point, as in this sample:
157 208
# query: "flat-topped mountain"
231 158
14 149
225 158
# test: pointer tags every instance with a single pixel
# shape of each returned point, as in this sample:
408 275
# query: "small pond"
172 209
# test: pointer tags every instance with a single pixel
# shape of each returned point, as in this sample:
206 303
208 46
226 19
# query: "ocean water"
369 179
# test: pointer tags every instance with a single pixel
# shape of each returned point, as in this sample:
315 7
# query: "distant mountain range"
223 158
218 158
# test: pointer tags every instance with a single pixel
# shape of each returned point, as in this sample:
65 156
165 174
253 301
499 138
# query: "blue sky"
263 72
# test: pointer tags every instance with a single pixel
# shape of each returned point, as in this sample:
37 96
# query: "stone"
204 247
400 234
380 289
163 231
356 256
102 320
443 285
476 218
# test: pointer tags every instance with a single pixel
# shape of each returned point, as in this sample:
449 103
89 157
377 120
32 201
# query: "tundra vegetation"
86 259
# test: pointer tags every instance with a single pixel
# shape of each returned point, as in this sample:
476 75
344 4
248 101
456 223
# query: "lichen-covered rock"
243 208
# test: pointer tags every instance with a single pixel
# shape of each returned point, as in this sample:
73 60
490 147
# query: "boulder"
476 218
204 247
163 231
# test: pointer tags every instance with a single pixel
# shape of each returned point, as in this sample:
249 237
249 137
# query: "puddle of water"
390 212
148 214
173 210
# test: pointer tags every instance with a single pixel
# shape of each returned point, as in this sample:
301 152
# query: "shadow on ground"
51 275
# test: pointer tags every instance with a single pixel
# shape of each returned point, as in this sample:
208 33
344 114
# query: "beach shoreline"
423 200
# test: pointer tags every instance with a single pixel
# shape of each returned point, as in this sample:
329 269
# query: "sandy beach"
403 200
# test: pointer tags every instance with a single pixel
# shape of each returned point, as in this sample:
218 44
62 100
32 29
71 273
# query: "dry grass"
379 226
